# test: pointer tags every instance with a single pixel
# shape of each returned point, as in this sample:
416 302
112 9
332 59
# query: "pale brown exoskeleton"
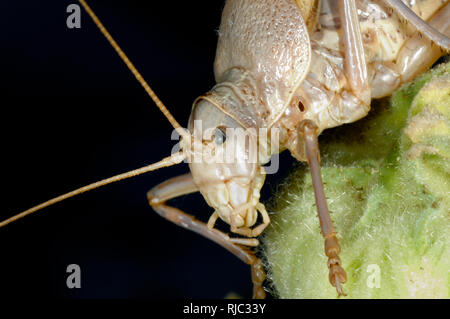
297 68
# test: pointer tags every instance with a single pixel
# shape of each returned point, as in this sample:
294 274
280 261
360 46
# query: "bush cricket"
317 66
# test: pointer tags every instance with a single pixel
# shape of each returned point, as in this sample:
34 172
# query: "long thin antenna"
168 161
133 70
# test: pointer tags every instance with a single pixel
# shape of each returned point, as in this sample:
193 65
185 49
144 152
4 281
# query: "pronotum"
356 82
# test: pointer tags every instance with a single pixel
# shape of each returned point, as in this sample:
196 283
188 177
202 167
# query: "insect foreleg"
428 30
353 102
184 184
354 62
416 55
309 132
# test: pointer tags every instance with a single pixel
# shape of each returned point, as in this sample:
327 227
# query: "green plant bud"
387 180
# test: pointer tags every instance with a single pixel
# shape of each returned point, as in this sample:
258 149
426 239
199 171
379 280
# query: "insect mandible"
299 79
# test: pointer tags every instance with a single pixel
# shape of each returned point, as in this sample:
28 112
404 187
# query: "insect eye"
219 135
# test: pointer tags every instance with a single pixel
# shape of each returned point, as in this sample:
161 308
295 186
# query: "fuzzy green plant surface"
387 180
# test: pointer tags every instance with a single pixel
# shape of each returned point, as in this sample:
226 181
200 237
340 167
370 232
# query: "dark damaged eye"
219 135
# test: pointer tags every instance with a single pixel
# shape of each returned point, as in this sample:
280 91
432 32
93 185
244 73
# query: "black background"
72 114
